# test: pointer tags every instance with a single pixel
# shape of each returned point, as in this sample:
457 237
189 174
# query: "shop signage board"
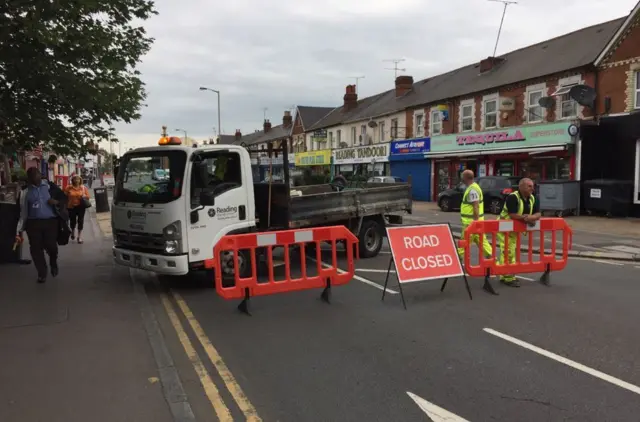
411 146
364 154
313 158
510 137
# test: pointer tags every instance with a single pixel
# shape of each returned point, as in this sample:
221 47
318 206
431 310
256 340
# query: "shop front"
407 159
540 152
363 161
274 166
315 166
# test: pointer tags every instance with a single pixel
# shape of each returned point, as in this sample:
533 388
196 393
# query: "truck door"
229 213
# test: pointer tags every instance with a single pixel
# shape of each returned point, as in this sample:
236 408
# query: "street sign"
424 252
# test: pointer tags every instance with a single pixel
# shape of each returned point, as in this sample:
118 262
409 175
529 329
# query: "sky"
276 55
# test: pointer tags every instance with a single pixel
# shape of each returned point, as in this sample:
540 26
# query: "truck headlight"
172 231
171 246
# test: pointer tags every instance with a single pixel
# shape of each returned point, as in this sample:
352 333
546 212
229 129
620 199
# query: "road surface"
566 352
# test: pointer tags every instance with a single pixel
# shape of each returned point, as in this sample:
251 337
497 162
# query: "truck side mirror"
207 199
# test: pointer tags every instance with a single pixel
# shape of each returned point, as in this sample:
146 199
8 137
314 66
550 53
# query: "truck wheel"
444 204
370 239
495 206
228 270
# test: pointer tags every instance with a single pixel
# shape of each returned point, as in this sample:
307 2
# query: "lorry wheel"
370 239
444 204
228 270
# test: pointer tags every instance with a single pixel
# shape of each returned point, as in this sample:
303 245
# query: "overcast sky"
277 54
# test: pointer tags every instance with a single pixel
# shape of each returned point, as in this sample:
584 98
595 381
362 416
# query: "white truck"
171 226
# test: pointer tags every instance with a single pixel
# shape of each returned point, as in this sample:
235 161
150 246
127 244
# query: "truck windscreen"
151 177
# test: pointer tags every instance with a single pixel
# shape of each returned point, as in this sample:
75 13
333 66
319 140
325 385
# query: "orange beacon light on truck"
170 140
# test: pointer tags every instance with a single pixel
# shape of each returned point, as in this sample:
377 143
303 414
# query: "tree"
68 71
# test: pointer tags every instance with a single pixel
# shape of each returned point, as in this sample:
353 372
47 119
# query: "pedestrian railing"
258 251
502 233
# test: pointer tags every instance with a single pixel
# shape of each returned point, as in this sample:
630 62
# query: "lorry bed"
319 205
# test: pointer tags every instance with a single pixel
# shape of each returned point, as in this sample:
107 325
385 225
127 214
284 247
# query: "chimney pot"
287 120
404 84
238 134
266 126
350 98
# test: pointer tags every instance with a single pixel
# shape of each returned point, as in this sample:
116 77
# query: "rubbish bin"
102 199
607 196
560 197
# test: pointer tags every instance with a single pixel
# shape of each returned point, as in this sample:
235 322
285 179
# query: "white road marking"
367 270
435 413
568 362
525 278
360 279
608 262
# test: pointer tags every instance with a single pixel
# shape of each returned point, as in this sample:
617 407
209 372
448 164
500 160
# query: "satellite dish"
546 102
584 95
372 124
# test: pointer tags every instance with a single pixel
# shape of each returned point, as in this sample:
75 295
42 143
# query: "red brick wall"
297 125
612 82
629 47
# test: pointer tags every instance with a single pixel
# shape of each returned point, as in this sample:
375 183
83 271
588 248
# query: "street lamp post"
204 88
185 134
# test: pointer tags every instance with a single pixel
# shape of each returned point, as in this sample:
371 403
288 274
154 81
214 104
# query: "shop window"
490 114
436 122
467 118
505 168
534 111
419 125
394 128
637 104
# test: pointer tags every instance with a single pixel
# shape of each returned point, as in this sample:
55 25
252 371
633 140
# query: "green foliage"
68 71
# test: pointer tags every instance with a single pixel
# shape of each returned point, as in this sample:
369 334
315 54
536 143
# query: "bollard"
102 199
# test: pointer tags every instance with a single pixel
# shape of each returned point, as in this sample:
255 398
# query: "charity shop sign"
378 153
424 252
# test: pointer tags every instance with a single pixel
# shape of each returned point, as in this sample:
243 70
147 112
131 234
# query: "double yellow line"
212 392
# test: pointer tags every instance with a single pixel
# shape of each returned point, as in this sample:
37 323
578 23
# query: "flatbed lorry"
171 226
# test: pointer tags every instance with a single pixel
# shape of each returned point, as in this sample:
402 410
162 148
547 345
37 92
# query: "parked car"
385 179
494 188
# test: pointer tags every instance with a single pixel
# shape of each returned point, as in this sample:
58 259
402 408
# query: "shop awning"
531 151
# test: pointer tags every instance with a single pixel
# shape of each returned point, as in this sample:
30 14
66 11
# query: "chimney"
490 63
238 134
287 120
266 126
350 98
404 84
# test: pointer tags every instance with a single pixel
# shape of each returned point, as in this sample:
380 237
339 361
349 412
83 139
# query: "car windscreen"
138 182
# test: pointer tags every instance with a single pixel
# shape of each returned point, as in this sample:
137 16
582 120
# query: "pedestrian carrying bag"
84 201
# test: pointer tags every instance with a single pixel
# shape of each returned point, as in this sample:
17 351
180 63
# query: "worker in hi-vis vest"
472 209
520 205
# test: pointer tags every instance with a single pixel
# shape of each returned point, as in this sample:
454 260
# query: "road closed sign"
424 252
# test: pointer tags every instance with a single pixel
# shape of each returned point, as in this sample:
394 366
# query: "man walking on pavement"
520 205
40 218
472 209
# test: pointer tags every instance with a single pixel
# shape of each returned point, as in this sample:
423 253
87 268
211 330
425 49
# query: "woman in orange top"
76 191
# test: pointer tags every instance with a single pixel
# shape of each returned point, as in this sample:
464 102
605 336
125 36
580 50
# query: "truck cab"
170 225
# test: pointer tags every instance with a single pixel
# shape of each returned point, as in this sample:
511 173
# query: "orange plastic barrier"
257 245
548 259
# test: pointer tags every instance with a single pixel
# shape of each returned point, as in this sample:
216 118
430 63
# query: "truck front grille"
139 241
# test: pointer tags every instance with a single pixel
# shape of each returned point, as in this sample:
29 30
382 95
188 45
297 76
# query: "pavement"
593 237
76 348
129 345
